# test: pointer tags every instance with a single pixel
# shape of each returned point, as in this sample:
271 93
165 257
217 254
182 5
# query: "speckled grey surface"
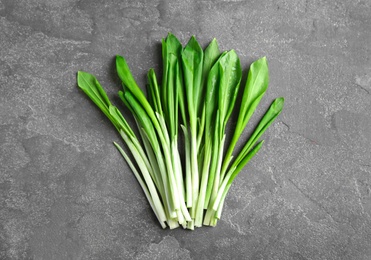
65 192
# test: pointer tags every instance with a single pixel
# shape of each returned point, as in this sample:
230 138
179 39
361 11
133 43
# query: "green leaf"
116 114
256 86
172 96
211 55
131 86
126 103
143 119
245 159
273 111
211 97
192 60
91 87
171 55
154 91
128 80
230 77
88 83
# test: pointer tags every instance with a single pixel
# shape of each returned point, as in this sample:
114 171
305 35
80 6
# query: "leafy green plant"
199 88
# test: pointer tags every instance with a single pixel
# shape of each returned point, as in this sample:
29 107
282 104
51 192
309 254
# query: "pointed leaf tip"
278 104
84 79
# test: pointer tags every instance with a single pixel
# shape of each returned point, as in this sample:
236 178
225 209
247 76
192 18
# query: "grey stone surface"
65 192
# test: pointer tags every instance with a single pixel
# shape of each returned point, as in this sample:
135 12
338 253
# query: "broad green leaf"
211 97
222 88
192 60
211 55
230 77
171 55
88 82
256 86
91 87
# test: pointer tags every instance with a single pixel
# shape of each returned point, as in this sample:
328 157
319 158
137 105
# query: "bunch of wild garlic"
197 95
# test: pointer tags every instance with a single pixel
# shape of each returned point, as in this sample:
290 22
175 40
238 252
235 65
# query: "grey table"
65 192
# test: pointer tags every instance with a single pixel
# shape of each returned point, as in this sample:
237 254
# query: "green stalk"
175 185
204 179
151 187
194 171
247 151
188 174
218 213
192 61
161 216
231 175
158 167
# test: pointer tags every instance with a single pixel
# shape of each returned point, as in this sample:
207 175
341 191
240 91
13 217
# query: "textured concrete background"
65 192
